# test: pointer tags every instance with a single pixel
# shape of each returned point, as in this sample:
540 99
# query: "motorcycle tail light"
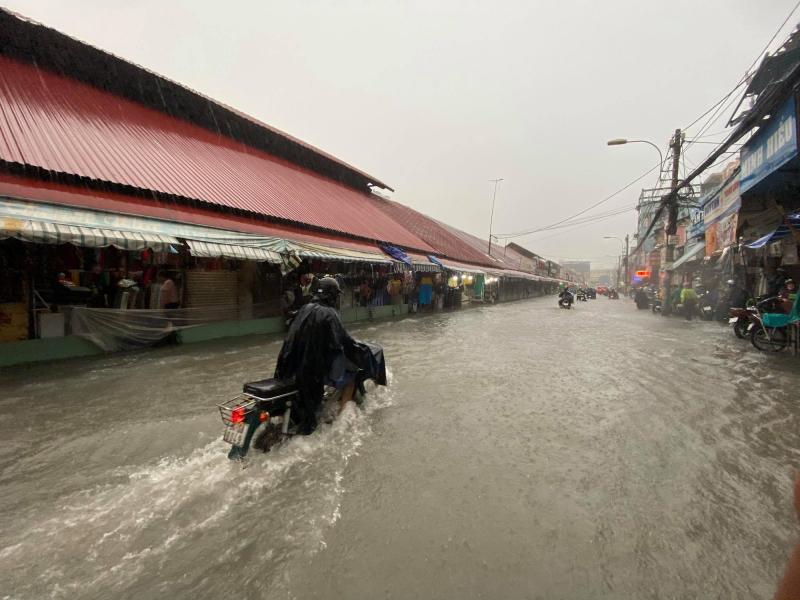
237 415
263 416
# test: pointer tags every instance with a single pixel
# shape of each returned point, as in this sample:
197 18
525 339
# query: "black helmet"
328 289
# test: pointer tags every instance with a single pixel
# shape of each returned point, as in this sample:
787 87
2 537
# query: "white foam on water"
106 537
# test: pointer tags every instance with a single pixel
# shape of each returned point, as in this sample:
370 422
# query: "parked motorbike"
261 416
741 318
768 328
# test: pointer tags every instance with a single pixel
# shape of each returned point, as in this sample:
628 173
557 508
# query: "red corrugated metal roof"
63 126
438 235
55 193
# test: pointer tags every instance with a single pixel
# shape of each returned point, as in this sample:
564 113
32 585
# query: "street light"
623 141
491 217
623 249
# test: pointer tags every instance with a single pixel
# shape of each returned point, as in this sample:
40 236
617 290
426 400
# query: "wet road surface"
521 451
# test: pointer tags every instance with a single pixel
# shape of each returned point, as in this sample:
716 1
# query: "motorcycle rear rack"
246 401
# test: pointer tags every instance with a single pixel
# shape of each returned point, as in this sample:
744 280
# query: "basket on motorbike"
236 409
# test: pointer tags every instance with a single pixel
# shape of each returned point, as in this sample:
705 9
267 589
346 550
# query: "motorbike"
641 299
741 319
706 306
261 415
769 329
565 301
582 296
613 295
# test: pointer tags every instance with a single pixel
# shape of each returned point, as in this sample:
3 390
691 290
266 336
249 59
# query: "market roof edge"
30 41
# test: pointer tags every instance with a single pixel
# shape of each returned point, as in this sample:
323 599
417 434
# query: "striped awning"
48 232
334 253
214 250
421 264
460 267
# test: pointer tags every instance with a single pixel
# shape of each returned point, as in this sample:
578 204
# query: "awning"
397 254
689 255
325 252
51 224
421 264
781 232
213 250
454 266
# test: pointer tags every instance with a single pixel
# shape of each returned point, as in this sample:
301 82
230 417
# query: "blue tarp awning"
778 234
397 254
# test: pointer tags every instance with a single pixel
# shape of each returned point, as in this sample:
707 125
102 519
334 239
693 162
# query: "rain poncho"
313 353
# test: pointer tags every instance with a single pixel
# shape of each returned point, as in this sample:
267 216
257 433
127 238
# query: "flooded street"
520 451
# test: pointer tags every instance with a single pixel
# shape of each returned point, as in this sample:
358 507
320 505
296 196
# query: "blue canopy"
778 234
397 254
435 260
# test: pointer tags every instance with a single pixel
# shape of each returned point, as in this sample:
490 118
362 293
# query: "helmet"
328 288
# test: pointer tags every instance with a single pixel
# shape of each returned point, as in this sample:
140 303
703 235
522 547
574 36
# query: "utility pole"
672 219
627 274
491 217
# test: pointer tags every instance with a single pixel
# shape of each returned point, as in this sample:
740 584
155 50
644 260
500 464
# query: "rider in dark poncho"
315 353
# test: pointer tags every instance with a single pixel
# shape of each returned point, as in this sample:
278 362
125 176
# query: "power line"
747 71
585 210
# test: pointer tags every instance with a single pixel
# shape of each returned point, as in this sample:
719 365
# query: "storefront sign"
697 226
773 146
723 203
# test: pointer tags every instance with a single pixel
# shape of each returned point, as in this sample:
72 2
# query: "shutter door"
218 289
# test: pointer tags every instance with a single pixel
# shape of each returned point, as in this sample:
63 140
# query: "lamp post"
491 216
623 141
621 249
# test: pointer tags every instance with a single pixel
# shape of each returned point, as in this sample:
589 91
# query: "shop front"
768 198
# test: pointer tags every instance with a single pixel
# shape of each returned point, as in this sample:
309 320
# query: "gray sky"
436 98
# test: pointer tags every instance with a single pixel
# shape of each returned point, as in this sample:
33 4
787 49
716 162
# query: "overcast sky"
436 98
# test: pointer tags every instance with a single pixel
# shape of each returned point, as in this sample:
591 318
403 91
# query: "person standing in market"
168 291
689 300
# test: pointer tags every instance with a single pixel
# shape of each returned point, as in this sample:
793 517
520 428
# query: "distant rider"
315 354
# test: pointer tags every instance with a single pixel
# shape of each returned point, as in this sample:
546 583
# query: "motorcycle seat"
269 388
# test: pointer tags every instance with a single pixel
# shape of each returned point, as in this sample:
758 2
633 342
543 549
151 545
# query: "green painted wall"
27 351
212 331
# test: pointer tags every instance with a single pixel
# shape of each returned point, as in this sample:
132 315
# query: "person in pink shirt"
168 294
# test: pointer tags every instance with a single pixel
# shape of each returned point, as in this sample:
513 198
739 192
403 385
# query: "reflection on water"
520 451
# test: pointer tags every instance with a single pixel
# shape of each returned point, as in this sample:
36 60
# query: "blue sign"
773 146
698 224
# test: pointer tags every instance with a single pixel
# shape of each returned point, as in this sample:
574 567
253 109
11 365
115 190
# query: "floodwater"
520 451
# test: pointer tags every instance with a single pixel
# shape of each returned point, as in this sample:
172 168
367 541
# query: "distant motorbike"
613 295
655 305
581 296
705 306
641 299
565 301
261 416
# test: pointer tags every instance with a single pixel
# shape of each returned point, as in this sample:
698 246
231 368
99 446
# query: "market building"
134 210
